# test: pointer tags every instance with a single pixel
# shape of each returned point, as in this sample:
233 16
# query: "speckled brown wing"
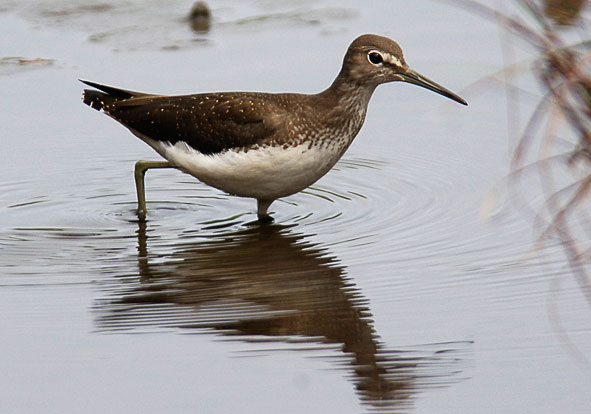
210 123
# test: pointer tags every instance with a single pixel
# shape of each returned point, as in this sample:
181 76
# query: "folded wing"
209 123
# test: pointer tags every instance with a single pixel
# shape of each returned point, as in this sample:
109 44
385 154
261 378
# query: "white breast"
267 172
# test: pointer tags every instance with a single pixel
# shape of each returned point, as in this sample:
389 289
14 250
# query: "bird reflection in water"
270 284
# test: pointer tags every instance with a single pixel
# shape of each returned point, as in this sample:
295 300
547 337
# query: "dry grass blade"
563 71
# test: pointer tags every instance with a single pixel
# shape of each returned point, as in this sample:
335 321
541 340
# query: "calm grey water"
380 289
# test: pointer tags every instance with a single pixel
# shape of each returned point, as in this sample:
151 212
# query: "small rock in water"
200 17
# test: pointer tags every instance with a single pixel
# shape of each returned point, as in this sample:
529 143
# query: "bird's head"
372 60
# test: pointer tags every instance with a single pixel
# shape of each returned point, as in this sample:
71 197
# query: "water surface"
381 288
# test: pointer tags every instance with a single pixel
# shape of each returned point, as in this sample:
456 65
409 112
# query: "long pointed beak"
417 79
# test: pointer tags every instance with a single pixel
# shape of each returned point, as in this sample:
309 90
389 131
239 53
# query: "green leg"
262 211
140 171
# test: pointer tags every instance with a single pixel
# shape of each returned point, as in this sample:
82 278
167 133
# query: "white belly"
264 173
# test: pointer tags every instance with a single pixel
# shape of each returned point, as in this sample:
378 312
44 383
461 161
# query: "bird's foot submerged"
265 219
262 211
140 172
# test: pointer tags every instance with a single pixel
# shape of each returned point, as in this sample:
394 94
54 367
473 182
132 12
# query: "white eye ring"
374 57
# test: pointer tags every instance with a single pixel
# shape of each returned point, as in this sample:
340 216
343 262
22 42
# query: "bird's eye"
375 57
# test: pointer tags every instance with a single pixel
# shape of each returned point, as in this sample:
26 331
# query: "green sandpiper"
260 145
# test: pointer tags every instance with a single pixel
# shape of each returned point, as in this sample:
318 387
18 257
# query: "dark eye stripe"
375 58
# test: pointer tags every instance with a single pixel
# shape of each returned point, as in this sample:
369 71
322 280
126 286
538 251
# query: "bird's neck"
348 92
345 103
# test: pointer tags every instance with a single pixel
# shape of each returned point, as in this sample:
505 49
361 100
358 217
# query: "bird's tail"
105 96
